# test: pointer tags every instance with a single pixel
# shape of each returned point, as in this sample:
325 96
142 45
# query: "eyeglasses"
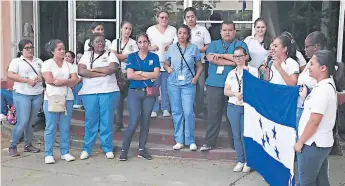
163 17
100 41
239 57
29 48
307 46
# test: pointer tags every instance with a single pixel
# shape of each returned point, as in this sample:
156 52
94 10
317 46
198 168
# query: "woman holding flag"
233 89
317 121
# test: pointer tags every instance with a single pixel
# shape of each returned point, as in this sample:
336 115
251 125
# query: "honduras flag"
270 129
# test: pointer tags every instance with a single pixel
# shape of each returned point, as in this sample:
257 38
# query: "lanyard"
225 48
239 82
182 55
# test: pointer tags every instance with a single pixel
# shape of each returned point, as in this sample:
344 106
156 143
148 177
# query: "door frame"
341 28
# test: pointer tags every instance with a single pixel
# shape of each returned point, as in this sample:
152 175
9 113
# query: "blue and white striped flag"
270 129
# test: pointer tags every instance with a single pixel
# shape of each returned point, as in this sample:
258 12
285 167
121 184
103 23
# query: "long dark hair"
327 58
291 49
189 32
21 46
267 38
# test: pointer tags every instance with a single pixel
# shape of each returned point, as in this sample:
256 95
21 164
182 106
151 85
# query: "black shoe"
205 147
123 156
119 126
144 154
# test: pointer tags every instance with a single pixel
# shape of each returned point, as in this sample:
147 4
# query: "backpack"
11 115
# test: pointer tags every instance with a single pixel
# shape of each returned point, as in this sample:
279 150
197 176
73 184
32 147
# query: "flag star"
267 139
260 123
274 132
263 141
277 152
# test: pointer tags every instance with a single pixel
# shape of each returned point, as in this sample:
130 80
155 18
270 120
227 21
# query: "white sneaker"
2 117
246 168
193 147
84 155
49 160
109 155
77 106
178 146
238 167
166 113
68 157
153 114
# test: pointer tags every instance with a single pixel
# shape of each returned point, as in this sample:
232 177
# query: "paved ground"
30 170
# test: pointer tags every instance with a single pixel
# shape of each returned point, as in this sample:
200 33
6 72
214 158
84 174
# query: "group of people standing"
174 60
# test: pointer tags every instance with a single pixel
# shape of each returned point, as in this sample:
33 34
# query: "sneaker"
13 152
84 155
68 157
49 160
2 117
246 168
144 154
206 147
123 156
77 106
178 146
166 113
193 147
238 167
30 148
109 155
153 114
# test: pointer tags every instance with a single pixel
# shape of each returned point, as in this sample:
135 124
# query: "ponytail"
19 54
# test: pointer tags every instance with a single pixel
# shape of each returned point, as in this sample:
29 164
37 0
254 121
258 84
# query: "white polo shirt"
21 68
200 37
60 74
290 66
156 38
301 59
98 85
304 78
126 48
256 51
107 45
321 100
232 81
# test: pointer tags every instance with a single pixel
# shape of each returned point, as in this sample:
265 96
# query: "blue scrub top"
147 65
218 80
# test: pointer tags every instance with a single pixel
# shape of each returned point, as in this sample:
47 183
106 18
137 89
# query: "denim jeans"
182 100
162 82
139 108
313 166
120 106
99 114
6 100
77 98
52 120
236 116
27 107
200 93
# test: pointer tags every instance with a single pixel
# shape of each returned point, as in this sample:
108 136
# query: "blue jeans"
182 99
6 100
162 82
200 93
27 107
77 98
236 117
313 166
139 108
99 114
52 120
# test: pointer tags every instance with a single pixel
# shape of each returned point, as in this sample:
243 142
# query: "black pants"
216 106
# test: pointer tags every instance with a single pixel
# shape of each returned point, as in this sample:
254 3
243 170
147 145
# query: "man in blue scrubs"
220 56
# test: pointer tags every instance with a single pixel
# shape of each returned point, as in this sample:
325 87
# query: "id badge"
220 69
180 77
150 62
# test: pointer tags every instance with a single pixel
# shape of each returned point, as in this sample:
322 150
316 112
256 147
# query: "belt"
139 89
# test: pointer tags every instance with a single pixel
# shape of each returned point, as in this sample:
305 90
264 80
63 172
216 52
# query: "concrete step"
160 149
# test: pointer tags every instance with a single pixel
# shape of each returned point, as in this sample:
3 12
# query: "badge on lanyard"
180 77
150 62
220 69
